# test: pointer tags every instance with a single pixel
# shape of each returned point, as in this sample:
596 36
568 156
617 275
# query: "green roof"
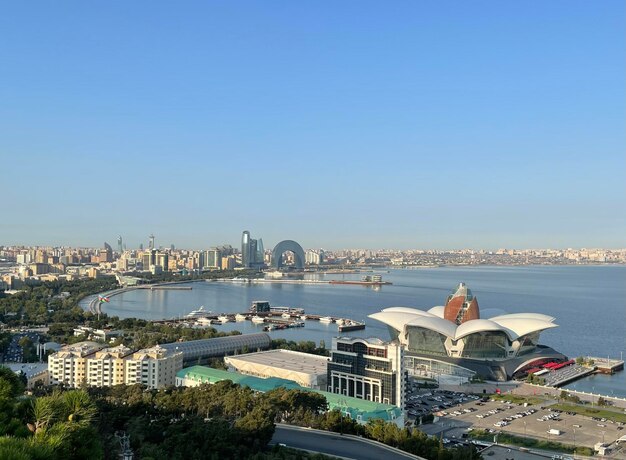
357 408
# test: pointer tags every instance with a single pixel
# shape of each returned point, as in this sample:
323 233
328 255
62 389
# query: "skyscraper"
252 252
245 248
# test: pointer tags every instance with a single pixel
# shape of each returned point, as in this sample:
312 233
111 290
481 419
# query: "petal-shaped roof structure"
479 325
437 311
434 323
395 319
523 315
521 326
400 319
413 311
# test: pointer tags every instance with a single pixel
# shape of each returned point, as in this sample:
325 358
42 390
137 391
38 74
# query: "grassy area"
531 443
592 411
518 399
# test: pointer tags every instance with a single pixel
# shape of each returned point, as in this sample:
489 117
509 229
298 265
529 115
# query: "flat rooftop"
285 359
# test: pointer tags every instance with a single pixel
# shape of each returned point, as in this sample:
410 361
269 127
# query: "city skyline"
419 125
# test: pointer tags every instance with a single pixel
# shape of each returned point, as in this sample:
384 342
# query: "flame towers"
252 251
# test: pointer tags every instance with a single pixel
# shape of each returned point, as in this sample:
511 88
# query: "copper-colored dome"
461 306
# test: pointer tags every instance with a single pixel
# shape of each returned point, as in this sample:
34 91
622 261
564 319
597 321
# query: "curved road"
329 443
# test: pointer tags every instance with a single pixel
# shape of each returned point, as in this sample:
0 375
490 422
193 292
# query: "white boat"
326 319
286 315
303 317
258 319
240 317
340 321
224 319
199 313
204 321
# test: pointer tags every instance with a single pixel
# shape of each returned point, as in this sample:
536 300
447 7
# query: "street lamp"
524 428
574 435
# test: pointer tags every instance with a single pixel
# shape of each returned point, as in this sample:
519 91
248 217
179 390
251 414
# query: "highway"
351 447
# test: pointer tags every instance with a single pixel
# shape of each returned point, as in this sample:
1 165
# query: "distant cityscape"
45 263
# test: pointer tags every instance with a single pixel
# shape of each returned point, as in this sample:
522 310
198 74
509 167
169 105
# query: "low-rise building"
195 351
358 409
305 369
34 372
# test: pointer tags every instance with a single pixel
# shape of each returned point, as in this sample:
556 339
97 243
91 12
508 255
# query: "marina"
568 293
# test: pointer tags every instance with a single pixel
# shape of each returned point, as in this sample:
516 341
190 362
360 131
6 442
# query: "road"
329 443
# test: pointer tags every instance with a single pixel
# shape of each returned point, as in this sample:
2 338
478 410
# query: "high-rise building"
245 249
367 369
162 260
120 246
213 258
252 251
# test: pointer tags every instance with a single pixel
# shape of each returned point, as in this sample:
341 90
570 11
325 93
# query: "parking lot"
533 421
420 402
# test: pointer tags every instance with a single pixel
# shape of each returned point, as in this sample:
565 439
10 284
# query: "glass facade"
426 341
486 344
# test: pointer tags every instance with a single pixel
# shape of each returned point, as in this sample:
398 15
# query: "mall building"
454 340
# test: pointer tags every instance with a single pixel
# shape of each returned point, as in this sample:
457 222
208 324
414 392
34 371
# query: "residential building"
107 367
154 367
68 365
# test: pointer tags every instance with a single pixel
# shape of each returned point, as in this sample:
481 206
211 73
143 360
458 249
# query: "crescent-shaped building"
454 339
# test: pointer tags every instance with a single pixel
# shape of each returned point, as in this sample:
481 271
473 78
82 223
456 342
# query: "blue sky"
421 124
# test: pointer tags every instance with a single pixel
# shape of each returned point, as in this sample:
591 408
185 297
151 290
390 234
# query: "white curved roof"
539 316
523 326
413 311
437 311
443 326
514 325
395 319
478 325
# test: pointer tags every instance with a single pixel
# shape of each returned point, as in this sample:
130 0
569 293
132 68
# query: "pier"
608 366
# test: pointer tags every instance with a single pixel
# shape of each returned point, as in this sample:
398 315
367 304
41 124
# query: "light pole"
574 435
602 436
524 428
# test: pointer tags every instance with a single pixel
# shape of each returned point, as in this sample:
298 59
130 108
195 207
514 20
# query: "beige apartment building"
68 365
155 367
94 365
107 367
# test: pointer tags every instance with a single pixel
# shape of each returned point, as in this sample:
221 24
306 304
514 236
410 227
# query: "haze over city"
411 125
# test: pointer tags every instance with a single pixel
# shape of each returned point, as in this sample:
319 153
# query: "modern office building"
212 258
305 369
358 409
252 251
453 339
196 351
367 369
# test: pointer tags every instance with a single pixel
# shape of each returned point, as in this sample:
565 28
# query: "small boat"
257 319
286 315
204 321
350 325
340 321
224 319
303 317
326 319
240 317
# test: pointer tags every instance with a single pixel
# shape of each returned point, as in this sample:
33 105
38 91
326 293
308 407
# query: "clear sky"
424 124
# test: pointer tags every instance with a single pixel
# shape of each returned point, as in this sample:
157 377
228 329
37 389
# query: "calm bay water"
589 303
